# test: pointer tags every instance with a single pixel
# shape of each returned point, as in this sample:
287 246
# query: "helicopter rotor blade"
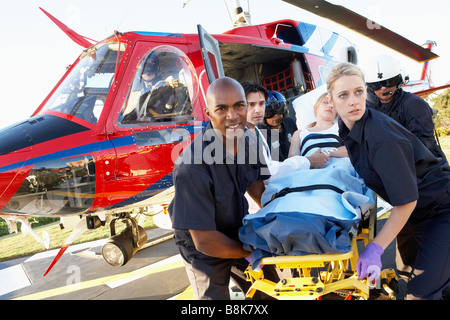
365 27
77 38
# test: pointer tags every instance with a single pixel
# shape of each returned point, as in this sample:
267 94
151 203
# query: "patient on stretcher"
309 211
305 142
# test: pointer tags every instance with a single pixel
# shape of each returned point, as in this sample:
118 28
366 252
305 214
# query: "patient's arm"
294 149
317 159
340 152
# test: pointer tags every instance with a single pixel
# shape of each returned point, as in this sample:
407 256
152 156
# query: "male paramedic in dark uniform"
210 178
384 81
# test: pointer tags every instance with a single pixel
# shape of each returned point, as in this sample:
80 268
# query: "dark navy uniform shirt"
395 164
210 184
413 113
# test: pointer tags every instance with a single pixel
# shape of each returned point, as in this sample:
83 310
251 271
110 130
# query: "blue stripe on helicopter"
88 148
92 147
318 41
157 187
306 30
329 45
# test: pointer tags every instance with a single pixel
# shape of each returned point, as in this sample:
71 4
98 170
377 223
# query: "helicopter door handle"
109 176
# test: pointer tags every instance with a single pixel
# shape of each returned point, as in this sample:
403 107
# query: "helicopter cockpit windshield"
163 88
83 92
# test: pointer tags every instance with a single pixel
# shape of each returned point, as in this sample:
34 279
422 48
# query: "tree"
441 103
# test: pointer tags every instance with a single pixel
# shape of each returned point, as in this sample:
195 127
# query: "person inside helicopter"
154 96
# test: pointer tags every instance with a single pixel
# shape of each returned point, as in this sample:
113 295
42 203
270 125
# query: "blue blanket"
299 222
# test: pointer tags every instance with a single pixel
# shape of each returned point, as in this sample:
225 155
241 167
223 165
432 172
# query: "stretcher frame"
320 276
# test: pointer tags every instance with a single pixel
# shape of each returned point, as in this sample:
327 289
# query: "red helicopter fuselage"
65 161
103 144
88 148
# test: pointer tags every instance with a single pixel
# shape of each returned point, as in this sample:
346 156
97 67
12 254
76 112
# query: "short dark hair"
251 86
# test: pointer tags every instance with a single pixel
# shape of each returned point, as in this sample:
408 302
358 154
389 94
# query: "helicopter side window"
160 89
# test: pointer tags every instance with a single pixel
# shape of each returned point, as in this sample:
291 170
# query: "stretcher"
324 276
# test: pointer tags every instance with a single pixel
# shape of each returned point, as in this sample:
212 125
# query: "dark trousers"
423 257
210 277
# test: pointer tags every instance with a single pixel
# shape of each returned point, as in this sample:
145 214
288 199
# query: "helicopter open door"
210 54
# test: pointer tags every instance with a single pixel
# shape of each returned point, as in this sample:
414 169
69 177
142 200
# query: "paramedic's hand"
369 262
318 159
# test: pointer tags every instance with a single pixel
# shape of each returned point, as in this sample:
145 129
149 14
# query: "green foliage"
36 222
441 103
18 245
3 228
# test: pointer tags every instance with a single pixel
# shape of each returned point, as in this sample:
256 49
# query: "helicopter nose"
14 138
23 136
39 175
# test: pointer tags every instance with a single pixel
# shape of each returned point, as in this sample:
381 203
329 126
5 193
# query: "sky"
34 53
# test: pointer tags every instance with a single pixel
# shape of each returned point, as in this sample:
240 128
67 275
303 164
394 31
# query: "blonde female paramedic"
399 168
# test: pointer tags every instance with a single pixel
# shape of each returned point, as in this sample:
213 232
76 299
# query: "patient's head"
323 110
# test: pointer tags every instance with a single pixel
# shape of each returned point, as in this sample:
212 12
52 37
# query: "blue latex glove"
369 262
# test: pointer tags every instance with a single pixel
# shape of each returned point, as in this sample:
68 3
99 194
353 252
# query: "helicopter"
101 146
421 87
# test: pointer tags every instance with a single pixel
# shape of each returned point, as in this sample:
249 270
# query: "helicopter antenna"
241 18
185 3
228 11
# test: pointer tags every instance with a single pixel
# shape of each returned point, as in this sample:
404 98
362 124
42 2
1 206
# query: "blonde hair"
340 70
316 106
